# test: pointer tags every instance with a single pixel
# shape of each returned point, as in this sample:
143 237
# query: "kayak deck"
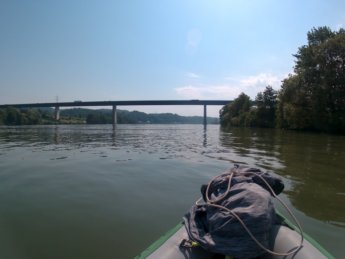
284 239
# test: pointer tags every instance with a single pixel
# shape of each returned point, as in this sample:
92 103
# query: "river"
86 191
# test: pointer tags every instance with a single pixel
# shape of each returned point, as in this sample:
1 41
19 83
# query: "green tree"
13 116
97 118
2 116
293 109
314 98
33 116
266 102
236 113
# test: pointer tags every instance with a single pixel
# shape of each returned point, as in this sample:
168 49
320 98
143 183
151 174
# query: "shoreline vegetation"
312 98
45 116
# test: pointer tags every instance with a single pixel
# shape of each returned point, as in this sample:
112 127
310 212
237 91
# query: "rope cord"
211 202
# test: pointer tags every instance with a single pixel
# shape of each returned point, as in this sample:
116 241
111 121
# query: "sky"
152 50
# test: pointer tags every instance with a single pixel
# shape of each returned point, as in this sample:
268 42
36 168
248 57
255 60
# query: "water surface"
90 192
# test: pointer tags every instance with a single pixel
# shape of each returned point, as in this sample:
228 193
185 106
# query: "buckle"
186 243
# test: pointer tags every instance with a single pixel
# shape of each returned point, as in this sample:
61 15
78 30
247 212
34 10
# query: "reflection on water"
314 162
88 187
204 143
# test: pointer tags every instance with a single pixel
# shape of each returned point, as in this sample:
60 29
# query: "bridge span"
114 105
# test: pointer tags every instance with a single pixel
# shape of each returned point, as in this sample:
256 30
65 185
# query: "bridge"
114 105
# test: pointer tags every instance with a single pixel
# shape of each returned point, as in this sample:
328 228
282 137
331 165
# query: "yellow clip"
194 244
188 243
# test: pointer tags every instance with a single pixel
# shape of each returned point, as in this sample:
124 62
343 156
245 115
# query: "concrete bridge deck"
118 103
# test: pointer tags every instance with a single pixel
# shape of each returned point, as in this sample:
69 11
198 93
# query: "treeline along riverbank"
312 98
14 116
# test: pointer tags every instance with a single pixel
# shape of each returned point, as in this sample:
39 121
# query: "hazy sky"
152 50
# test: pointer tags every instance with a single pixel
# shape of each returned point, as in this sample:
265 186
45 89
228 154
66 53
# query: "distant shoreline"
45 116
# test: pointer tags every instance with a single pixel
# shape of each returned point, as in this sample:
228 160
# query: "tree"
2 117
240 112
34 116
293 109
13 116
236 113
97 118
266 108
314 98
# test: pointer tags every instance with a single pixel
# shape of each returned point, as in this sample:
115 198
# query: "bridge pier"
114 117
57 113
205 116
